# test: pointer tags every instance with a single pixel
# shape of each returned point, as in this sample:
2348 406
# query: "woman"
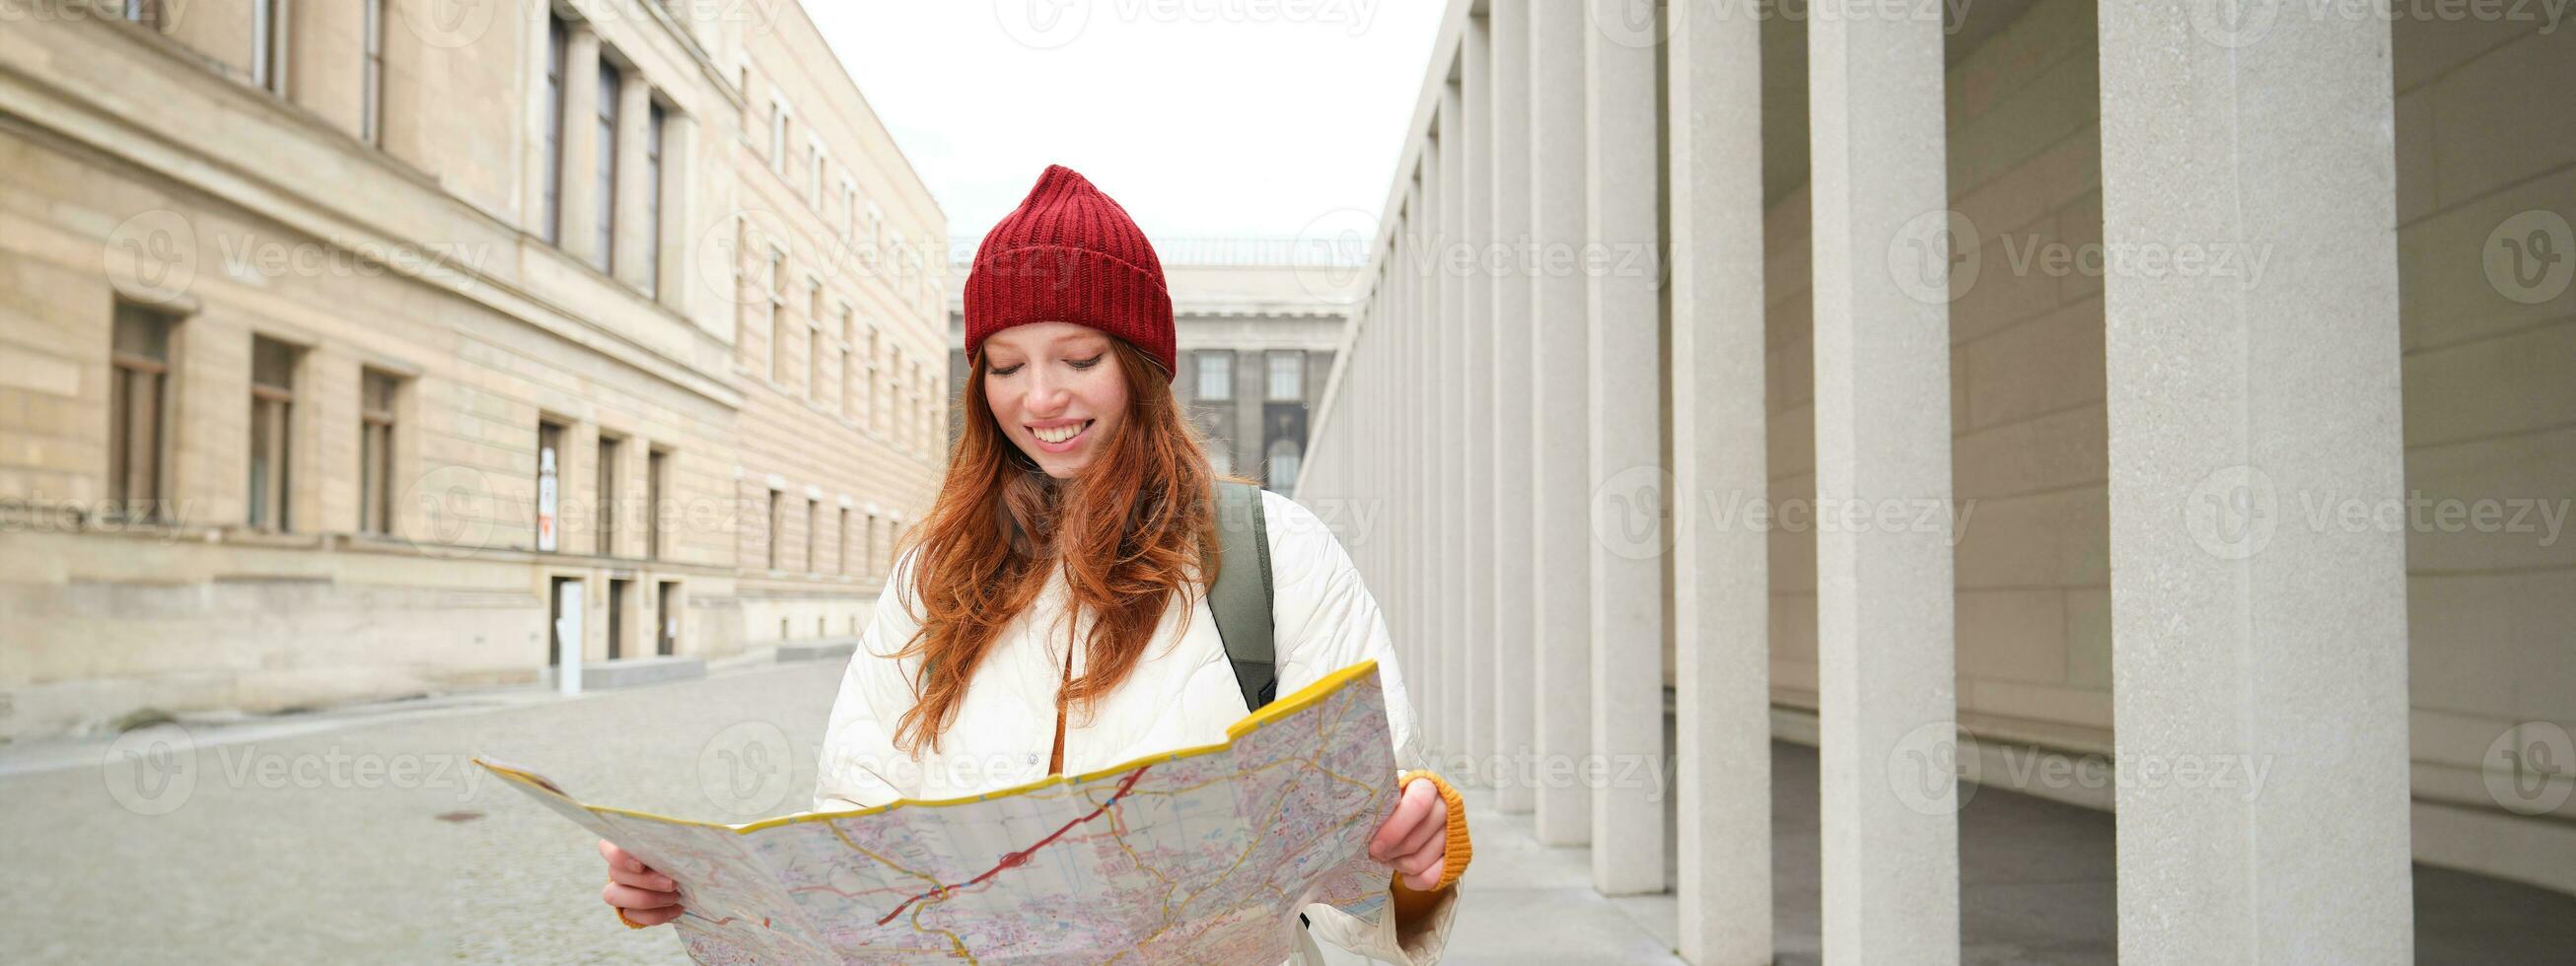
1030 628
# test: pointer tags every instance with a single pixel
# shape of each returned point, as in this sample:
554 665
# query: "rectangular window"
609 82
899 393
868 547
376 451
657 482
777 525
874 380
556 39
841 560
550 442
814 174
778 137
147 12
272 412
813 531
371 104
609 498
140 356
849 369
1216 375
268 45
777 316
653 201
1287 376
814 341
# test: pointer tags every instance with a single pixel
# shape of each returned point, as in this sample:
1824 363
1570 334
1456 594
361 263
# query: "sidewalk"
2036 889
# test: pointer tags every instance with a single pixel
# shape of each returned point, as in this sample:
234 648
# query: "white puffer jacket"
1182 694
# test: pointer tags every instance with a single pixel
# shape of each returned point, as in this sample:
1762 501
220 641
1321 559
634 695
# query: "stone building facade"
359 349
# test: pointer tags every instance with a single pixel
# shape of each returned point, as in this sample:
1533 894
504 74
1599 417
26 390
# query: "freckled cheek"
1005 405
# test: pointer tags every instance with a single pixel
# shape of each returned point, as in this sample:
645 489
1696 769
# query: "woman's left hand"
1415 840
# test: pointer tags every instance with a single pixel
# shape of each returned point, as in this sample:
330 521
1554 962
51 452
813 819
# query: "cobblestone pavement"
364 835
379 841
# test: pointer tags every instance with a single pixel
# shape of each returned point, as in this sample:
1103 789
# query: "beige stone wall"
2027 413
2490 417
872 243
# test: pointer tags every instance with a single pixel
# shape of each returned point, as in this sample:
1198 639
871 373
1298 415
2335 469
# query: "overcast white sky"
1227 118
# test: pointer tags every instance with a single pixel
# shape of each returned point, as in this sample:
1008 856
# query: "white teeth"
1059 434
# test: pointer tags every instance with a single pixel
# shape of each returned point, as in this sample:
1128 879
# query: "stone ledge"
819 649
635 672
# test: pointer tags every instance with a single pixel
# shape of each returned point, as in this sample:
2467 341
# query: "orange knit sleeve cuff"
1456 852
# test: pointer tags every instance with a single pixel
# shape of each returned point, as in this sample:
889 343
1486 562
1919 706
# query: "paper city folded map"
1201 855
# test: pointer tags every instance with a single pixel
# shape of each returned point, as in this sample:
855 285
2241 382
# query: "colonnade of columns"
1560 359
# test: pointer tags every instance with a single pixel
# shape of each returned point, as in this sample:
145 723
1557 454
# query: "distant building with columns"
2125 391
1256 328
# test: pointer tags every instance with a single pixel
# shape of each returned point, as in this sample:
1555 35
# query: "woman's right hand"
642 896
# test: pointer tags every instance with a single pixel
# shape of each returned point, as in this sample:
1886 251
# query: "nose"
1048 395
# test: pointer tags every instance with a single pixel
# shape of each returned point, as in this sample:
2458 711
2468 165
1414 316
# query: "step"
635 672
818 649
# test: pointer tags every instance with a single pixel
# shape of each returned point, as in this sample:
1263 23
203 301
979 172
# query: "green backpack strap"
1241 597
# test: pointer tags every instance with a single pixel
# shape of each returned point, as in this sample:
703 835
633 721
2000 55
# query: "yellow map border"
1275 710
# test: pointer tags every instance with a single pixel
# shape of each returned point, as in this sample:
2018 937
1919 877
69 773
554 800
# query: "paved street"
363 836
282 853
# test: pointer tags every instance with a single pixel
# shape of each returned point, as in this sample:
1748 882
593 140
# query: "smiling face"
1056 390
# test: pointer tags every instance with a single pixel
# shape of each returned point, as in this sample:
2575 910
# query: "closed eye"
1087 363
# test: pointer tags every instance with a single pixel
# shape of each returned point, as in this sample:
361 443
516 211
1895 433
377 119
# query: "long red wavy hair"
1134 532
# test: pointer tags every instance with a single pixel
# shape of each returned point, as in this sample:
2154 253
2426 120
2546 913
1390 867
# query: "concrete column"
634 246
1560 492
1721 565
1886 684
1476 441
2241 631
1449 499
1624 325
1431 486
578 233
1514 575
1406 416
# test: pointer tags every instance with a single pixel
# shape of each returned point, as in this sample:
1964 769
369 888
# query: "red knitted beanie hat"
1070 254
